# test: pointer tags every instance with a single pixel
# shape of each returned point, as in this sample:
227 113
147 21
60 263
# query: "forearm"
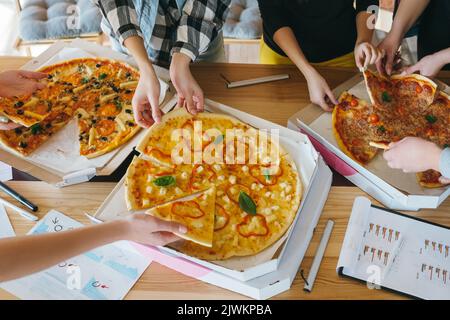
24 255
364 33
407 14
443 56
135 46
285 39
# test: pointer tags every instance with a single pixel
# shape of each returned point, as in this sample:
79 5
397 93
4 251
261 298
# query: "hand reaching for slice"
146 99
366 54
190 95
319 91
16 83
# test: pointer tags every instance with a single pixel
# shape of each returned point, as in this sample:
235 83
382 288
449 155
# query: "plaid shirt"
188 30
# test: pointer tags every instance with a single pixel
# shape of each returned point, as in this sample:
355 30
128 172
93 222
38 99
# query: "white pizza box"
57 161
272 283
246 268
393 188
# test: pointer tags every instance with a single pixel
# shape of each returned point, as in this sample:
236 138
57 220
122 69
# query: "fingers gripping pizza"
255 203
97 92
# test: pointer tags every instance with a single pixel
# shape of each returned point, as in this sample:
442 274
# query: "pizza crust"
379 145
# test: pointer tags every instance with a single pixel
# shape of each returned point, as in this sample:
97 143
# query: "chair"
42 22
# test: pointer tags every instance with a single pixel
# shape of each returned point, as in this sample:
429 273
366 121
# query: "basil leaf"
102 76
385 96
430 118
382 129
85 80
164 181
246 203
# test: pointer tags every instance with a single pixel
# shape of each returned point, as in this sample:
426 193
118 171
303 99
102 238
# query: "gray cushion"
243 20
54 19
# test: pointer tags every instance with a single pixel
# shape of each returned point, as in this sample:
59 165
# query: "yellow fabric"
268 56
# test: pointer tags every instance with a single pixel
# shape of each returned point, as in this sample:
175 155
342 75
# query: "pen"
27 203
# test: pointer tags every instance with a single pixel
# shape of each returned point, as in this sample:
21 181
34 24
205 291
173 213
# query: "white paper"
105 273
6 229
61 151
5 172
399 253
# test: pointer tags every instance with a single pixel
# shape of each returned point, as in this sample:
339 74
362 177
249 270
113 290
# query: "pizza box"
393 188
57 161
247 268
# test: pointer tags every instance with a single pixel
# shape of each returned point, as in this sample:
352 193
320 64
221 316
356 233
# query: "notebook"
390 250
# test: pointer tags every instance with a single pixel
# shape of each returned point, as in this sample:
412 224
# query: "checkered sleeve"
200 23
122 17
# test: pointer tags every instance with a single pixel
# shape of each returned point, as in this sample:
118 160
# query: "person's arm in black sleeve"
273 15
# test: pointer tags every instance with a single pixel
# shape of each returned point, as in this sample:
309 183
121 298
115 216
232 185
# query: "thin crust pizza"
97 91
350 126
255 203
402 106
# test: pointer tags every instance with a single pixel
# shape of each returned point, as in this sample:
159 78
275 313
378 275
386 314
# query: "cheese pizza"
255 202
97 91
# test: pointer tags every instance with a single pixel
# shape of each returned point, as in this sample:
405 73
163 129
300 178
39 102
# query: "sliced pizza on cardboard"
196 213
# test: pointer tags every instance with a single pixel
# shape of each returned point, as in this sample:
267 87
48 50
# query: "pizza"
255 202
351 118
402 106
408 91
197 213
97 92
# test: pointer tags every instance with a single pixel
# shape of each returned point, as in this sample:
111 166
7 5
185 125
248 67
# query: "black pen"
27 203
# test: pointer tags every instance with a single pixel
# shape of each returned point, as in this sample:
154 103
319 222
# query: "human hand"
189 92
413 154
428 66
366 54
145 101
9 125
319 91
389 46
16 83
149 230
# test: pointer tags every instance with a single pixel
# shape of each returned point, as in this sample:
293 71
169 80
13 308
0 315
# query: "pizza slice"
429 179
100 134
380 90
415 92
197 214
32 109
351 128
148 184
23 141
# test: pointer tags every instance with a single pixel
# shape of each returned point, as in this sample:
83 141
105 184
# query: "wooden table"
159 282
275 101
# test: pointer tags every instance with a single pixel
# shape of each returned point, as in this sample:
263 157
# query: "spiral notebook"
390 250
